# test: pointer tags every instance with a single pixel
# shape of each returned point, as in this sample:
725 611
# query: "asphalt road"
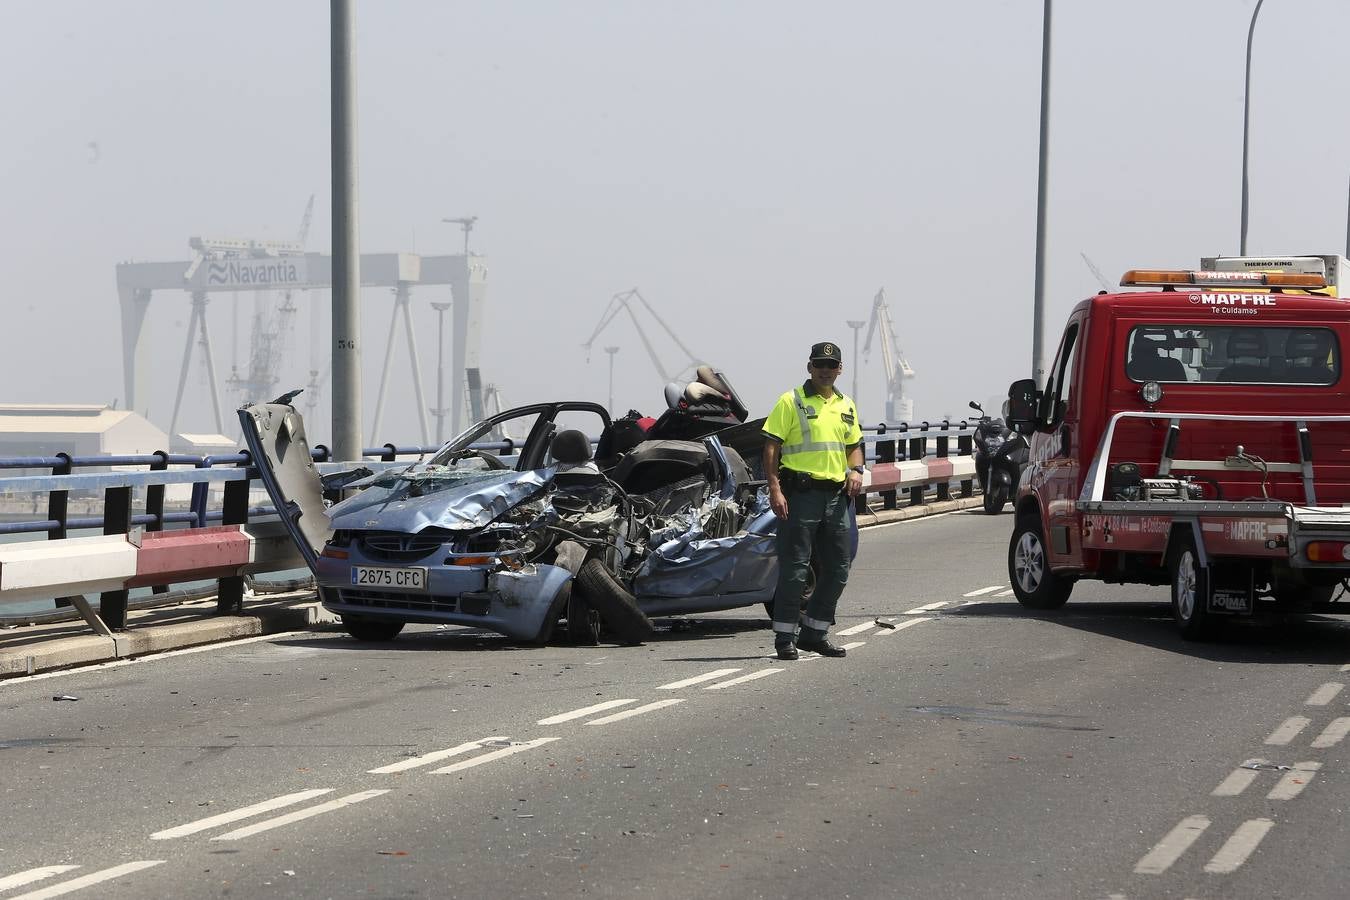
974 751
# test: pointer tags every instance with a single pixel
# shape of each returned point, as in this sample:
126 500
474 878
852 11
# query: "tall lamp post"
1038 365
1246 116
611 351
439 411
855 324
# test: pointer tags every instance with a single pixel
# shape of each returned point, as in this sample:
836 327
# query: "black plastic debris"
64 697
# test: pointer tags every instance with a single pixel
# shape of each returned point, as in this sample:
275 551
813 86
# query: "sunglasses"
825 363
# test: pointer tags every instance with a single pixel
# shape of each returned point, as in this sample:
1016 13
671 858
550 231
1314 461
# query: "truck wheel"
583 623
812 576
372 630
617 607
1034 584
1190 590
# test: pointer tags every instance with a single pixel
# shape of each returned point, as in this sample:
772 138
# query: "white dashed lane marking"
1294 781
1237 848
436 756
637 711
899 626
298 816
584 711
697 679
855 629
1008 593
853 646
494 755
226 818
1324 695
1170 848
982 591
1239 779
19 879
732 682
927 607
1333 733
84 881
1287 731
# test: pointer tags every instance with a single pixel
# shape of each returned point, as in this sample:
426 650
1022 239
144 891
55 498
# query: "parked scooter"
1000 456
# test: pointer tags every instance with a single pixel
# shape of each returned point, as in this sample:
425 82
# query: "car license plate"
403 578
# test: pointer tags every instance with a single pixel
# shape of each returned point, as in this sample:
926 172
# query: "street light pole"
855 324
611 351
439 411
1246 117
1038 365
346 253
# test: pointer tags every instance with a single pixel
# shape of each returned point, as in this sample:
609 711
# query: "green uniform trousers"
818 524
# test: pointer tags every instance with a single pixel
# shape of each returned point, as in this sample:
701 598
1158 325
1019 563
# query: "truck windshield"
1233 354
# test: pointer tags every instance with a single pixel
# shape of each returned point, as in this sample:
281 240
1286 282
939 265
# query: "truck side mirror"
1023 401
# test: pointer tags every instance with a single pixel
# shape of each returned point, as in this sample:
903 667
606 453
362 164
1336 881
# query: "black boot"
822 646
785 648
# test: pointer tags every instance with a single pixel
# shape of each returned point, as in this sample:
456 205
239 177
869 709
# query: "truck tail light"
1328 551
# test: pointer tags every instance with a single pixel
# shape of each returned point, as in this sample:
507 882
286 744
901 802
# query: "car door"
275 435
1057 438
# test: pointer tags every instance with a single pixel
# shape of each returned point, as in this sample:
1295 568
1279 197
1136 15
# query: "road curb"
298 612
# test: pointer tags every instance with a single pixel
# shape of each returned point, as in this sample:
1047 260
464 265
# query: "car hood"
419 497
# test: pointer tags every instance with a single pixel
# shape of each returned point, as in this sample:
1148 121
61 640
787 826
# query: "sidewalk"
30 649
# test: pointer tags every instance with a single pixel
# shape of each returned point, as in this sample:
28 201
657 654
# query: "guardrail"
226 544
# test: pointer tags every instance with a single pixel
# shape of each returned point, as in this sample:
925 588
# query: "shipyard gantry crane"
899 408
623 302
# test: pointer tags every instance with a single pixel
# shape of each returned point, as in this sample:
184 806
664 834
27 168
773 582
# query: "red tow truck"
1195 433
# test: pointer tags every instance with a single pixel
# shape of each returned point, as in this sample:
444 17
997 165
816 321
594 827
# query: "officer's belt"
791 479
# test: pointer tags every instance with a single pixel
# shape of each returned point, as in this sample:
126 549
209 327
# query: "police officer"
813 461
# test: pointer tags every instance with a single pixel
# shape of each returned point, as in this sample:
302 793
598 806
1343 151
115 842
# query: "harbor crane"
899 408
623 302
1096 272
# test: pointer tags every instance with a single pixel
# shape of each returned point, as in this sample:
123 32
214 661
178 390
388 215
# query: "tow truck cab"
1211 389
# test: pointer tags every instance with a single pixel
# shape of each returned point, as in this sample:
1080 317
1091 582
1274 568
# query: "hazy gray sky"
757 169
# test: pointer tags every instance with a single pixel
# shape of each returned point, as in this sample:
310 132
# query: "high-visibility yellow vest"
816 433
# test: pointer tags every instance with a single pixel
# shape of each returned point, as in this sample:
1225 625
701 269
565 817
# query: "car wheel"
812 576
1034 584
1190 590
583 623
372 630
618 610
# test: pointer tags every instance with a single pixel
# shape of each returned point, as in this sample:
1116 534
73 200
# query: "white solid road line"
21 878
927 607
138 660
243 813
584 711
1333 733
855 629
1237 848
298 816
84 881
871 528
984 590
1287 731
636 711
436 756
697 679
494 755
853 645
1239 779
1294 781
899 626
1170 848
1325 694
1345 668
762 673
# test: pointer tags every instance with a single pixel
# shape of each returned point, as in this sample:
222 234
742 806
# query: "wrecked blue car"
539 530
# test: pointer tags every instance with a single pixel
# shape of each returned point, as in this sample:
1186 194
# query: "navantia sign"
252 274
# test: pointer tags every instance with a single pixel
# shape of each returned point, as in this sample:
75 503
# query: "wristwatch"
859 469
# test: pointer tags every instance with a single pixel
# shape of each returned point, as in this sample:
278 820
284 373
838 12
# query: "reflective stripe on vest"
804 422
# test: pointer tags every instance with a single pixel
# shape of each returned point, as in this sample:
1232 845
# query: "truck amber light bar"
1328 551
1140 277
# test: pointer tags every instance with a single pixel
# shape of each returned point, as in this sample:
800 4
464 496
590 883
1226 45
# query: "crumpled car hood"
418 498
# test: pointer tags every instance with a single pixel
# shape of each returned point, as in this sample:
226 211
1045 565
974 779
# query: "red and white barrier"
912 473
33 570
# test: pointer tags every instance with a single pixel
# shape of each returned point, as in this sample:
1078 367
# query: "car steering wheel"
492 460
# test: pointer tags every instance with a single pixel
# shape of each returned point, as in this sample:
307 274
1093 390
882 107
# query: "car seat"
1146 360
1309 354
571 454
1252 349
